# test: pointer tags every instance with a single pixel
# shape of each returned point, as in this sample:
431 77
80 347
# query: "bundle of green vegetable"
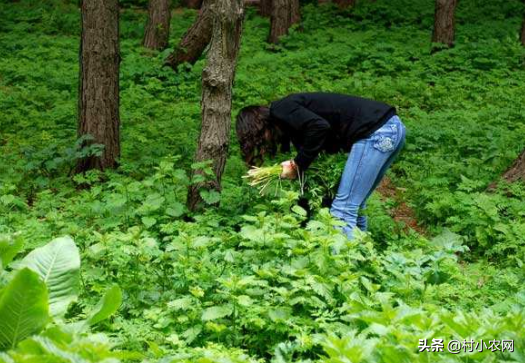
323 179
262 177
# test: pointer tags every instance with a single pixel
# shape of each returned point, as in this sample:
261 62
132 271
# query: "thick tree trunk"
444 22
158 25
217 82
344 4
192 4
517 169
265 8
194 41
285 13
99 82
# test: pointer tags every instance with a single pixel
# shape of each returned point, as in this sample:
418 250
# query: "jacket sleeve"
312 127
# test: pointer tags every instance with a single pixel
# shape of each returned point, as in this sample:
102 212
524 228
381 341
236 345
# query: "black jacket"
327 121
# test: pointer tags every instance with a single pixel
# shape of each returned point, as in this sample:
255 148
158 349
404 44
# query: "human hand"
289 170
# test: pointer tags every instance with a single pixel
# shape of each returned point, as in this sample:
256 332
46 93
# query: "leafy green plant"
10 246
254 279
43 285
58 266
23 308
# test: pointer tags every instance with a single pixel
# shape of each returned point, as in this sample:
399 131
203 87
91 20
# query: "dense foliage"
34 300
255 279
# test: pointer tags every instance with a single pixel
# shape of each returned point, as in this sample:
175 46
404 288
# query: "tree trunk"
295 17
265 8
158 25
98 105
444 22
517 169
344 4
285 13
194 40
192 4
217 82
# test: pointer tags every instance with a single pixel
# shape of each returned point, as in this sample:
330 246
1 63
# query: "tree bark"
444 22
285 13
265 8
344 4
98 105
516 170
295 16
192 4
217 82
194 40
157 30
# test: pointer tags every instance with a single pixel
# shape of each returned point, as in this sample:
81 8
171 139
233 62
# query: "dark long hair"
259 134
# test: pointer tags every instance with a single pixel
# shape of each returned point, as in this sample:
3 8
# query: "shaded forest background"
464 111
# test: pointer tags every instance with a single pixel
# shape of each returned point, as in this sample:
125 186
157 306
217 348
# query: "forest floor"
251 280
401 212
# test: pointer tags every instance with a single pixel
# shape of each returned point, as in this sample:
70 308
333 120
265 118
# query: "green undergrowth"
255 279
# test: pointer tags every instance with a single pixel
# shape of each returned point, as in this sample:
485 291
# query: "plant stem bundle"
262 177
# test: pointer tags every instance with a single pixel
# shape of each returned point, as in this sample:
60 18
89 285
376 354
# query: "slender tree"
285 13
344 4
98 105
265 8
158 26
194 40
444 22
217 82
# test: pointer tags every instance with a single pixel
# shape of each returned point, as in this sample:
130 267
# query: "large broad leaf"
23 308
217 312
107 306
9 247
58 264
4 358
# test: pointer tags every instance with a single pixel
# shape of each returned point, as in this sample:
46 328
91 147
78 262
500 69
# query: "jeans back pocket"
385 138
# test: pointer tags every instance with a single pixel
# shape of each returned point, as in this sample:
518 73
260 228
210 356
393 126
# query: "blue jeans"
367 163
